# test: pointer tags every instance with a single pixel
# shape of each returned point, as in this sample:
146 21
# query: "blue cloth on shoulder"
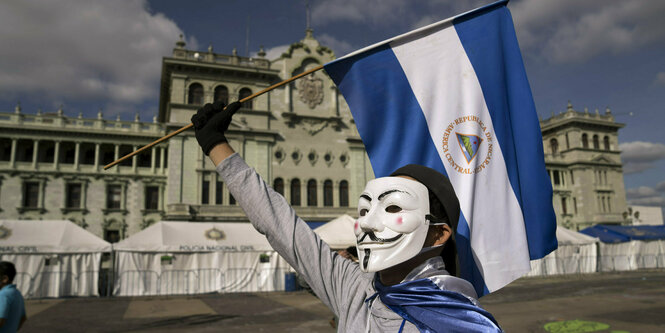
431 309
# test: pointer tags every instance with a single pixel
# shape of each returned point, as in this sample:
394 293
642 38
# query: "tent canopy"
195 237
31 236
618 234
338 233
566 237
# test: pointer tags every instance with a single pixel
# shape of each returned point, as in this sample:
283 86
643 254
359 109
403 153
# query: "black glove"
210 123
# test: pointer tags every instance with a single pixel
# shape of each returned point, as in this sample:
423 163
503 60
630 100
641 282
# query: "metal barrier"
187 282
57 284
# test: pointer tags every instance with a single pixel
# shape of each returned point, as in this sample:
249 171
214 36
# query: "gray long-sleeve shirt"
338 282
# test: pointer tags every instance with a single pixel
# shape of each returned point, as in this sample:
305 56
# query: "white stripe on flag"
446 87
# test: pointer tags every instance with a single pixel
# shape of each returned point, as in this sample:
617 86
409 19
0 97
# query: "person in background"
12 306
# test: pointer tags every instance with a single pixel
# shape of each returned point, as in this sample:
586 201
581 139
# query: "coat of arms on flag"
469 144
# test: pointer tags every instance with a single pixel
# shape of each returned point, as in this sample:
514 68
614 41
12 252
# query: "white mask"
392 225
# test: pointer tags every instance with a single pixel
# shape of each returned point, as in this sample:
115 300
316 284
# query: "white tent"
577 253
170 258
338 233
52 258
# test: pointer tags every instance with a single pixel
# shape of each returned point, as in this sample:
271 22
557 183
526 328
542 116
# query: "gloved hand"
210 123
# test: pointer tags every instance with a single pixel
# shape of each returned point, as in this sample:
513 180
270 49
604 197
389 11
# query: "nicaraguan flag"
454 96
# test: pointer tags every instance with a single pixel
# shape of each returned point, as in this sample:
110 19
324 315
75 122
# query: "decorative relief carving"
310 89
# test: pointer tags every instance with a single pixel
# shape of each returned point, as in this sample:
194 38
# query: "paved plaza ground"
613 302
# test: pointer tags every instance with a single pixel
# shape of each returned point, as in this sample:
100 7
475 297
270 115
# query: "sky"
91 55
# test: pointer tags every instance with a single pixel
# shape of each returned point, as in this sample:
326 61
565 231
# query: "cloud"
639 156
650 201
647 196
640 192
84 50
273 52
381 13
340 47
660 78
568 31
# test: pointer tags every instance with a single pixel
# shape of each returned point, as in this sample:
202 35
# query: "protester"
401 282
12 307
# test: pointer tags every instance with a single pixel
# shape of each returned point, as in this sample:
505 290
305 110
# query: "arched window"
344 193
245 92
295 192
222 94
585 141
328 193
596 142
554 146
311 192
606 142
195 94
278 186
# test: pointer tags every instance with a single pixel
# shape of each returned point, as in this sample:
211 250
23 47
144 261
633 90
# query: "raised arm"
333 278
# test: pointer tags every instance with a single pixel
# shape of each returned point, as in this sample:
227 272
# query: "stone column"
319 193
77 155
152 159
56 155
12 156
134 160
161 160
96 167
115 157
35 153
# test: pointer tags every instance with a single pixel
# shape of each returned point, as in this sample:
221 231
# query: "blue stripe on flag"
385 110
382 103
497 61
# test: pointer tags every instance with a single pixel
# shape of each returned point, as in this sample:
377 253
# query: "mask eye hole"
363 212
393 209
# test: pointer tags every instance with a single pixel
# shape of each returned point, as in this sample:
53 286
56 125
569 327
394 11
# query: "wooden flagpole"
184 128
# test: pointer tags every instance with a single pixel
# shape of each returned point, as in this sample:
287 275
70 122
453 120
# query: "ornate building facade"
584 163
301 138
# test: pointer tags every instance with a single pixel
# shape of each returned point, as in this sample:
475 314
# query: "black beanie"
438 184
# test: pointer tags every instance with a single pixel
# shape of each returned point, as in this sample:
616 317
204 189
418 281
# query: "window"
245 92
278 186
232 200
567 142
554 146
67 152
564 209
151 197
111 236
222 94
125 150
557 179
106 154
311 193
343 193
585 141
295 192
73 199
195 94
219 191
31 194
113 196
87 151
328 193
205 189
144 159
606 142
575 204
5 149
46 152
596 143
24 149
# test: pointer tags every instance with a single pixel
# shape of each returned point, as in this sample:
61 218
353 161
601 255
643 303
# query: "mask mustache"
373 237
